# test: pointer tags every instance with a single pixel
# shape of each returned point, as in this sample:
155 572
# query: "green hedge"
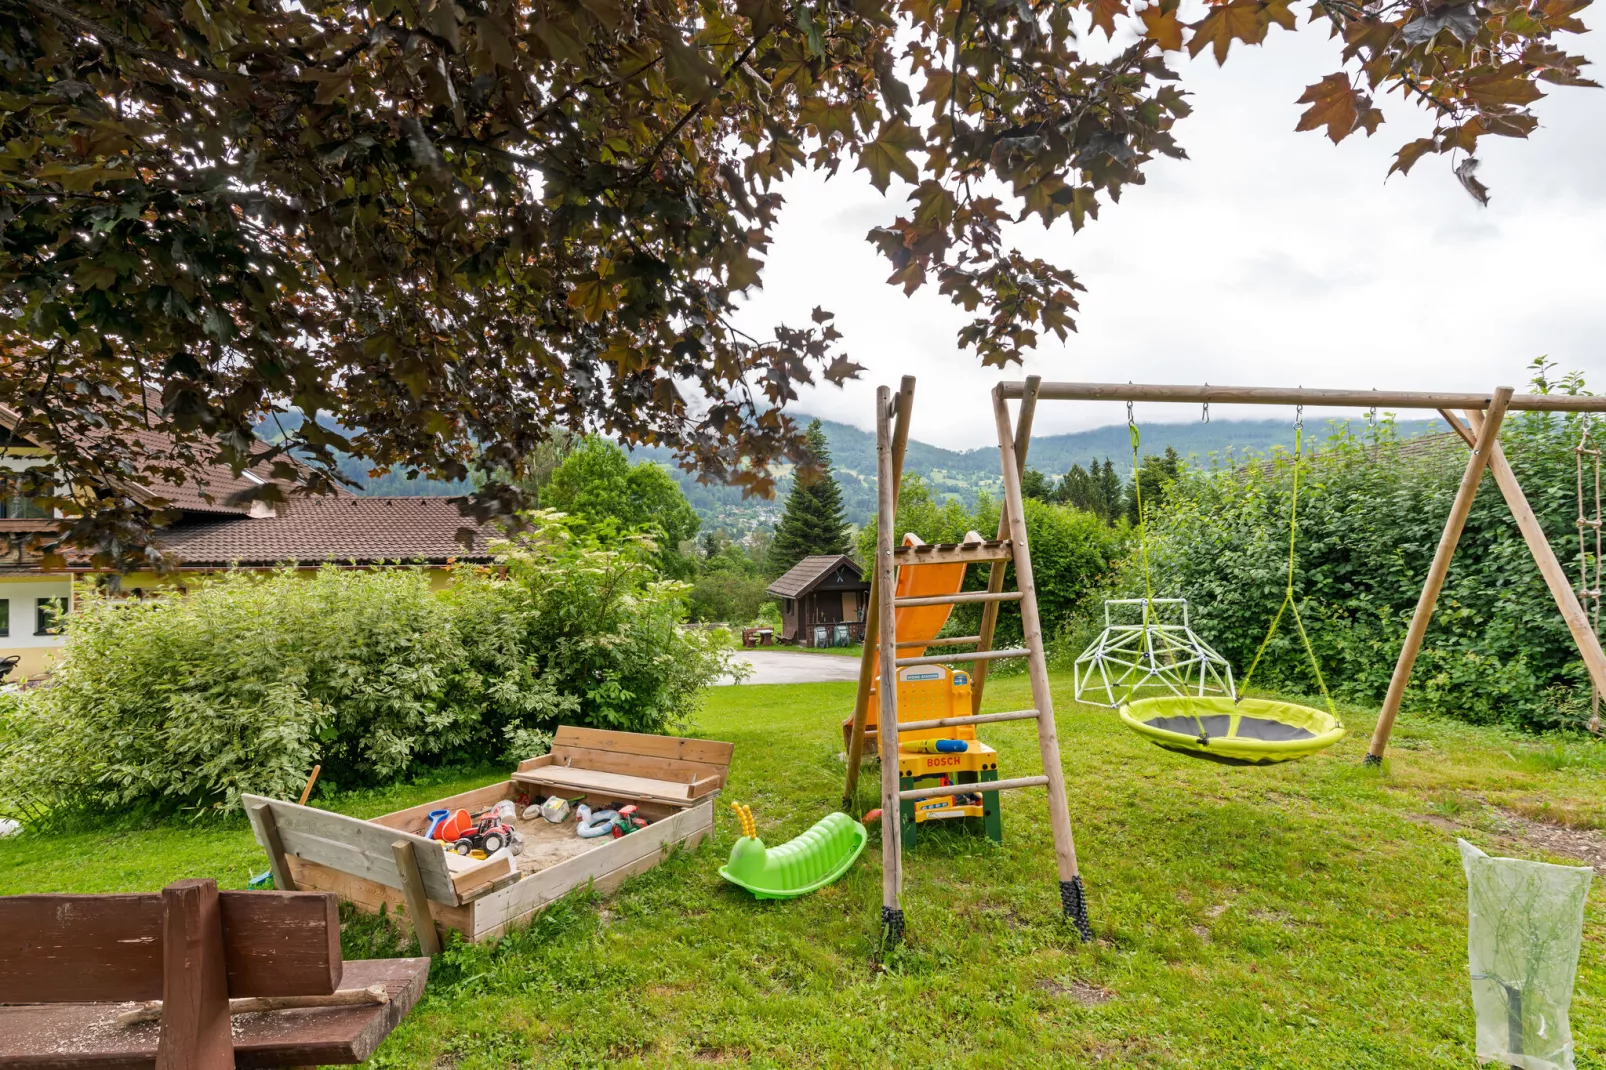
250 679
1371 511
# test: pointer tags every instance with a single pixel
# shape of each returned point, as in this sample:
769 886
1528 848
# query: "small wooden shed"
823 601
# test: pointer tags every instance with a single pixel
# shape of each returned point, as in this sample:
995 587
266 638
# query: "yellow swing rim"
1229 749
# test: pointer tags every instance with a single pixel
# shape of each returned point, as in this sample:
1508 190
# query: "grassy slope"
1289 917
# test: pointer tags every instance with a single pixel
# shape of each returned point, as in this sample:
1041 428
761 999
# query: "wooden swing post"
1459 509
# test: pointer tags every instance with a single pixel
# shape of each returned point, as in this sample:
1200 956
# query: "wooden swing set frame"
1483 413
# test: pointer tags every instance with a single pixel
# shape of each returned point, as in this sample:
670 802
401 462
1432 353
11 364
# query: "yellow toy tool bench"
927 692
933 757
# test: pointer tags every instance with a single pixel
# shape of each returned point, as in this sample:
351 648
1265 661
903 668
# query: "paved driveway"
793 667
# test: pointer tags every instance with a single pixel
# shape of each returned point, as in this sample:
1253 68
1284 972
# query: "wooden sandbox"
386 861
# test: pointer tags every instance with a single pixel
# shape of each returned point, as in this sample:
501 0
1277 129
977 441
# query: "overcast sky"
1268 258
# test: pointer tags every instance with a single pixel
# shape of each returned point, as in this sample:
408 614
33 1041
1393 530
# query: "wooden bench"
71 965
666 769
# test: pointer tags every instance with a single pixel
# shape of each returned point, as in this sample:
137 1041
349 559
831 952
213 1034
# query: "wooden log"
351 997
981 657
274 846
1556 578
975 786
886 578
975 718
995 575
412 882
1464 496
1032 634
959 598
195 1032
872 614
1270 395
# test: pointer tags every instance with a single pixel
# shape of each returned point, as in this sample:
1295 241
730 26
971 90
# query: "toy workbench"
672 781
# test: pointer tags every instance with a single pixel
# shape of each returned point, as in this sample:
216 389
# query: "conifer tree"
813 522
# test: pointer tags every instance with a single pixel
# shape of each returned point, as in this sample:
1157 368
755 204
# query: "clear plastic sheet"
1525 923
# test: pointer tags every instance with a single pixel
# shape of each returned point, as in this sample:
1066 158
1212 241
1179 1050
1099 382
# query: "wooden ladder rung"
958 640
975 655
960 599
979 718
963 553
979 786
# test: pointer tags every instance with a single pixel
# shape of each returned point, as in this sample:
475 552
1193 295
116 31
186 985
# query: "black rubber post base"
1074 900
891 926
1373 760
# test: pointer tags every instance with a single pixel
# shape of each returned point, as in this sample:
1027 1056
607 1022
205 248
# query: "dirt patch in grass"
1516 831
720 1055
1088 995
1586 845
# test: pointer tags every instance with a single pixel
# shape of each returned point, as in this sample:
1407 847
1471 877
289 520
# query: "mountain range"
962 473
949 473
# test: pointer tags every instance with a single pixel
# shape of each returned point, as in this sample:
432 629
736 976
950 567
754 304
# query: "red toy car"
490 836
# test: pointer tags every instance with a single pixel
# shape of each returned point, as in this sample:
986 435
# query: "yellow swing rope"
1289 602
1143 548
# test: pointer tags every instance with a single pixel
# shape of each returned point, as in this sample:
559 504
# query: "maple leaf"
1241 20
1104 13
1504 86
1162 27
888 154
1333 104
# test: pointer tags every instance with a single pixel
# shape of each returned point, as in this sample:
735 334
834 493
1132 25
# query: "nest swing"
1221 726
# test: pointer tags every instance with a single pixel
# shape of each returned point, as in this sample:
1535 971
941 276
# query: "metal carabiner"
1206 416
1299 417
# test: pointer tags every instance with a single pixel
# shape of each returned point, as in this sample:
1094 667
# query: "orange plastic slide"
918 624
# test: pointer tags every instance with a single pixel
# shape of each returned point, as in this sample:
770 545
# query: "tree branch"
124 44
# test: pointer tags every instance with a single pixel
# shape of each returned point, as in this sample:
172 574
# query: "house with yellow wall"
218 528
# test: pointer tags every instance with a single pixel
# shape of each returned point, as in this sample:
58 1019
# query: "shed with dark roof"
823 601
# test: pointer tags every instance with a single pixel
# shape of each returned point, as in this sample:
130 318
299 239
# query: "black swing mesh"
1216 726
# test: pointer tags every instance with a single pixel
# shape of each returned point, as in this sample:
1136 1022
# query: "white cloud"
1269 257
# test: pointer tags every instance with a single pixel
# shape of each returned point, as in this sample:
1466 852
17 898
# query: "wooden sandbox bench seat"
71 965
387 862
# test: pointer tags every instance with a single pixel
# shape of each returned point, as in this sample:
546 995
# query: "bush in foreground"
252 678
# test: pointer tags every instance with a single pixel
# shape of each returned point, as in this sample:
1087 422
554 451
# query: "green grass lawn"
1308 915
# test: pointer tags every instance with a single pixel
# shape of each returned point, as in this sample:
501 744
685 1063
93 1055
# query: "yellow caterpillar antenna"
744 814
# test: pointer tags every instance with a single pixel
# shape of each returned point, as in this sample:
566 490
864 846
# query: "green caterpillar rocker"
799 866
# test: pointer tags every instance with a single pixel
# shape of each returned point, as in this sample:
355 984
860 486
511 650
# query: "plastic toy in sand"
799 866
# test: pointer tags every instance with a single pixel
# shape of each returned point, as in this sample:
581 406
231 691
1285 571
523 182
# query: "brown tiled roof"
336 529
209 491
809 573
